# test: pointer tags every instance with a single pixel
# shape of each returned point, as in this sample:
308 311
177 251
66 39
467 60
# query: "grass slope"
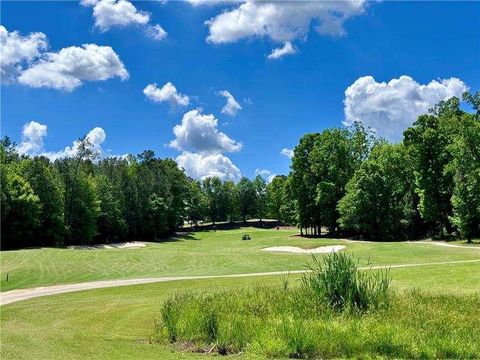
202 253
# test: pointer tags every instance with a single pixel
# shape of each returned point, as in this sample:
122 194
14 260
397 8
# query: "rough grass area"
288 323
337 311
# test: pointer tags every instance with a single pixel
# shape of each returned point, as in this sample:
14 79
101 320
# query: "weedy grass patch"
334 311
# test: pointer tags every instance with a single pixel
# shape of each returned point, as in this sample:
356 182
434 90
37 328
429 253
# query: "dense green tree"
111 225
246 198
379 201
429 140
20 209
195 203
48 185
321 166
229 201
81 202
304 182
260 186
465 170
275 197
212 187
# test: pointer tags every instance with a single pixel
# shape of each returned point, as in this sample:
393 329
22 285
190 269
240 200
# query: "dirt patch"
297 250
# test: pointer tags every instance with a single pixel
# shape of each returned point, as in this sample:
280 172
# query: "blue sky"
280 99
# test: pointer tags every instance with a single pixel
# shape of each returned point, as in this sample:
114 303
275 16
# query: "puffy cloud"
108 13
201 166
16 50
96 137
282 21
32 138
200 133
156 32
266 174
167 93
68 68
122 13
287 49
287 152
391 107
232 107
33 134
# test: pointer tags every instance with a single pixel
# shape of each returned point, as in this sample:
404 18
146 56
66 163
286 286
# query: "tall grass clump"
336 280
334 311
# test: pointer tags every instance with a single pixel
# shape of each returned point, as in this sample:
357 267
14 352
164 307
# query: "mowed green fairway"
118 322
201 253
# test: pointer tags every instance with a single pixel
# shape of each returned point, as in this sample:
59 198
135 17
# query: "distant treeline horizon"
342 179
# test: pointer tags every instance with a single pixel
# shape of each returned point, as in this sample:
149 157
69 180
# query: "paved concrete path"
9 297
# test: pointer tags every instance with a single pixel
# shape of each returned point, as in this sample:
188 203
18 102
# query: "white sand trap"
124 245
297 250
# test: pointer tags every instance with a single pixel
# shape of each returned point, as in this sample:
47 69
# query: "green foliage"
247 198
275 197
20 208
465 168
271 322
335 280
81 202
321 167
47 184
111 225
260 196
380 201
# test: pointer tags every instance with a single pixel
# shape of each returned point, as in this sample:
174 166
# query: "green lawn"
202 253
117 322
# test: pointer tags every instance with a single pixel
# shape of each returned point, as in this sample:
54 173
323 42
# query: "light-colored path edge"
12 296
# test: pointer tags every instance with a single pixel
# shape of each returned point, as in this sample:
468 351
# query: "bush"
336 280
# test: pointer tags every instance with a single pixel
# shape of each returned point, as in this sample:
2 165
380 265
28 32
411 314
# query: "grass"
201 253
275 323
336 312
118 322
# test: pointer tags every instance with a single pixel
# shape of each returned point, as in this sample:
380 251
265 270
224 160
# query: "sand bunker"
124 245
297 250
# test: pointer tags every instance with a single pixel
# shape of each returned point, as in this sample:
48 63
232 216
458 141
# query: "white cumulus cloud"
156 32
167 93
265 174
201 166
282 21
232 107
96 137
390 107
33 134
199 133
122 13
71 66
287 152
17 50
108 13
32 138
286 49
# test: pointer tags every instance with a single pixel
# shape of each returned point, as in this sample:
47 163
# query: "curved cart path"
9 297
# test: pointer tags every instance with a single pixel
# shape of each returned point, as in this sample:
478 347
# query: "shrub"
335 279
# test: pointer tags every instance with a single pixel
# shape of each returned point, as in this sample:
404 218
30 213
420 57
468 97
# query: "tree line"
86 200
346 181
